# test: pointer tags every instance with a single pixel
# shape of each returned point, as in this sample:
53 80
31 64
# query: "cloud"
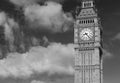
48 17
3 18
107 54
54 59
116 37
8 25
35 81
23 2
30 2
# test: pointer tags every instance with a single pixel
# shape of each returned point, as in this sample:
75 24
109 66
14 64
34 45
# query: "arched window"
85 21
88 21
93 20
80 21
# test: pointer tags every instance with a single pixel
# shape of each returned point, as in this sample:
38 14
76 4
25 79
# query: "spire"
87 3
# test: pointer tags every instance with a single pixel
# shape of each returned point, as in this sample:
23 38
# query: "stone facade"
88 40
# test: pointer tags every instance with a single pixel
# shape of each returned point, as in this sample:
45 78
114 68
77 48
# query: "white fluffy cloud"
35 81
48 17
54 59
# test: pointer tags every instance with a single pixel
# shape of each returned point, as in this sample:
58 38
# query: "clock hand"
86 35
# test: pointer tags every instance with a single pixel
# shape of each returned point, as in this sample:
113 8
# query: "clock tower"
88 45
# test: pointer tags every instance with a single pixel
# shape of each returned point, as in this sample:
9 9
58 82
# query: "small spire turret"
87 3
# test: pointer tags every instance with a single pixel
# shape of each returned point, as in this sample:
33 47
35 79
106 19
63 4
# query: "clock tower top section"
87 28
88 9
87 3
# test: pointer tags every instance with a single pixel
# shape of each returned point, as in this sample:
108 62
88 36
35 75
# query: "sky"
37 40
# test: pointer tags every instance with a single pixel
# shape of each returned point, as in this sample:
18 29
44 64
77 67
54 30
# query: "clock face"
86 34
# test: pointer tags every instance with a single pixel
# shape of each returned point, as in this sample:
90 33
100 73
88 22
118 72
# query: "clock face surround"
86 34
